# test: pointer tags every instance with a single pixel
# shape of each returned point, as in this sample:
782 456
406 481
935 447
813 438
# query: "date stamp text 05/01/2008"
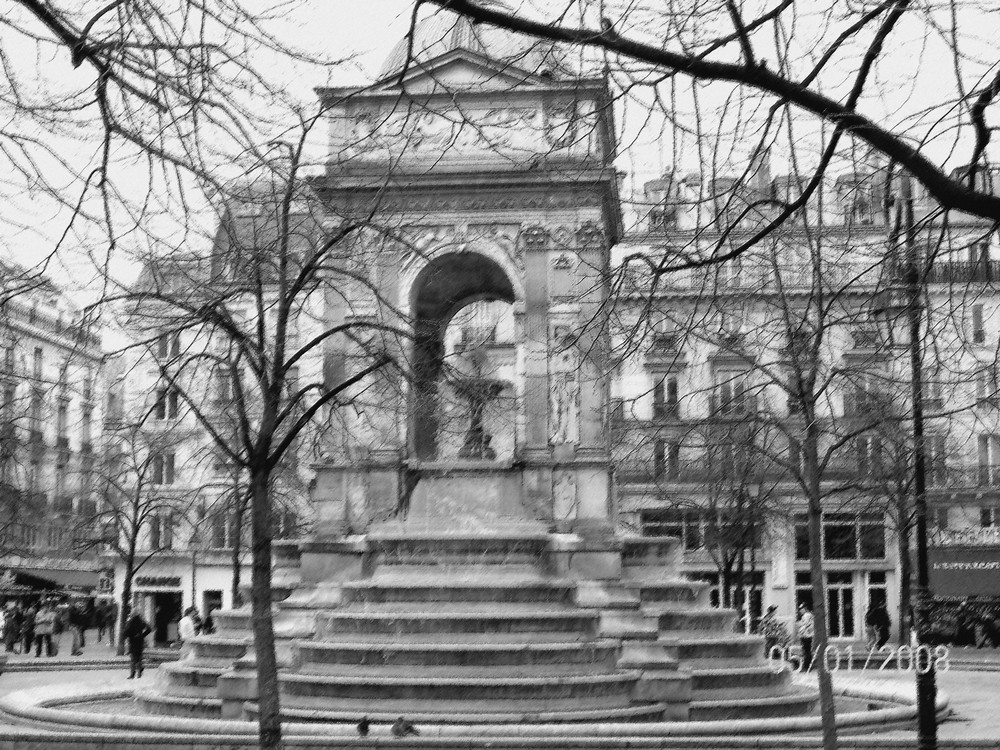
904 658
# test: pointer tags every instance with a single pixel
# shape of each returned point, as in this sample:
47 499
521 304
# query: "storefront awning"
964 571
54 578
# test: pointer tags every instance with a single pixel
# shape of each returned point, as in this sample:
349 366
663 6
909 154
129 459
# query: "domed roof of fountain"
445 31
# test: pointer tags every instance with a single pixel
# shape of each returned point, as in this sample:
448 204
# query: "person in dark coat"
28 629
965 619
878 620
363 726
135 634
12 635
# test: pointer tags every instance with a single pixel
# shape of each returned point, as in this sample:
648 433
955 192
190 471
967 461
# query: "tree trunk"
125 608
810 451
905 571
268 701
726 584
237 597
740 599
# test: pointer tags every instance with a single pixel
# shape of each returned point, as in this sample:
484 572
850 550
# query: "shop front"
961 571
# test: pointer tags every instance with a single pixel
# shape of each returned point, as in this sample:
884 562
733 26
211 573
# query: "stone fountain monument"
493 585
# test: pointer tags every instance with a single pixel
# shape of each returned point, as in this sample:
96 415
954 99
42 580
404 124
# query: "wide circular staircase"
513 625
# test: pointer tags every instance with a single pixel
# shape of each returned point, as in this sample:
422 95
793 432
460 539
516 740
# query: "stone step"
491 653
315 596
180 690
464 671
644 553
701 645
434 639
191 706
793 703
761 677
457 571
600 594
673 617
294 624
468 712
387 549
219 647
377 591
468 621
679 590
581 691
193 674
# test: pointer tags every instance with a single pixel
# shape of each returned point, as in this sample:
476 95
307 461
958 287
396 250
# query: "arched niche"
449 282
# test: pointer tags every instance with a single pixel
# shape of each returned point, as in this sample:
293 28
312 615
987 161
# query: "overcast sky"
364 33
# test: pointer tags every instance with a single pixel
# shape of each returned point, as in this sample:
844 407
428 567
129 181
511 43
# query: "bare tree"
139 514
770 62
246 317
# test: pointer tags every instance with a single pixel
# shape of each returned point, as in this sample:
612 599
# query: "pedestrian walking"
208 626
12 631
76 626
773 630
135 634
806 628
28 628
363 726
878 620
45 626
187 628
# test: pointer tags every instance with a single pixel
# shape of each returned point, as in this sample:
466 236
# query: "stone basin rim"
39 706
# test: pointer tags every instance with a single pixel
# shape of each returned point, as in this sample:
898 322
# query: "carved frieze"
590 236
451 131
535 238
424 203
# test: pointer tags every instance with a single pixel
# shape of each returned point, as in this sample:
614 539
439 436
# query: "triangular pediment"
462 69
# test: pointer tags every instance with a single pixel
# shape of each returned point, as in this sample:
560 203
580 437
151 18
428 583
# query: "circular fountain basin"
866 704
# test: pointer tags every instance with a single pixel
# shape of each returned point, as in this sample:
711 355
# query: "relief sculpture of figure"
564 405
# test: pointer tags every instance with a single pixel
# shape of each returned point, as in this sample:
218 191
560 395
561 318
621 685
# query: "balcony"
62 504
665 344
966 476
964 272
639 472
733 408
666 410
973 536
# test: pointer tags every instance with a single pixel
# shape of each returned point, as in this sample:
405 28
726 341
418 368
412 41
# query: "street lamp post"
910 308
926 681
195 542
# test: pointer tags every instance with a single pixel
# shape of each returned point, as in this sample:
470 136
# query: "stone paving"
974 695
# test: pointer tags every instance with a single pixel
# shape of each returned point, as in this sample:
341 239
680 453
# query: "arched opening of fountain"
461 303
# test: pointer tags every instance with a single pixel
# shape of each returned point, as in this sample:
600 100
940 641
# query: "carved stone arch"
448 280
456 245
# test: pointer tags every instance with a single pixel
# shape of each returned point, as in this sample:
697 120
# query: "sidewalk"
96 655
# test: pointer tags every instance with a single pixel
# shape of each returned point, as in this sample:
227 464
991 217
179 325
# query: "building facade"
50 435
737 385
724 363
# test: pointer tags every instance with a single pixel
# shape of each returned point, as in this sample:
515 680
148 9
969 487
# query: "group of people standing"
877 622
39 625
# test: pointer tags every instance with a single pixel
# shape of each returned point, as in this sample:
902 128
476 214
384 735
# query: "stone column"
537 473
536 310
